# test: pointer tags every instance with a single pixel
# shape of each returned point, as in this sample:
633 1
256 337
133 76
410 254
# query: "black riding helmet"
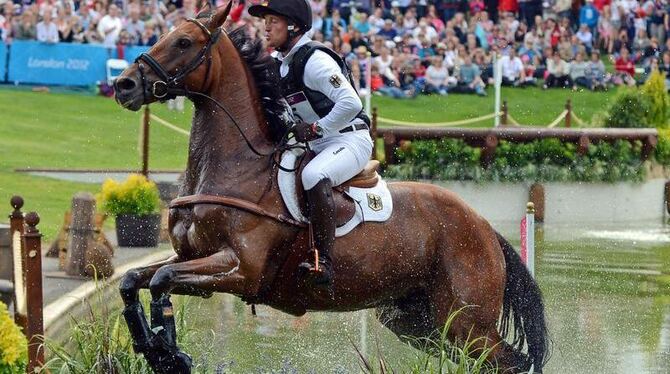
297 11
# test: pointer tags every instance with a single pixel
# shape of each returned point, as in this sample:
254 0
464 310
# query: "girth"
234 203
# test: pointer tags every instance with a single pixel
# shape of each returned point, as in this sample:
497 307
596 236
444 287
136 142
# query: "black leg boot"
322 218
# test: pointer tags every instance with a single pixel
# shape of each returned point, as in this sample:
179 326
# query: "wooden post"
648 147
503 119
32 243
536 196
145 141
568 116
666 195
489 150
81 233
583 145
389 148
373 132
16 228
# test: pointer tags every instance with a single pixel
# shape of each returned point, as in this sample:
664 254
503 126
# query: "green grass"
42 130
529 106
61 130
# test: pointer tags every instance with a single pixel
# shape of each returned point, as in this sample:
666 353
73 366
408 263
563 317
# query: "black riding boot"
322 217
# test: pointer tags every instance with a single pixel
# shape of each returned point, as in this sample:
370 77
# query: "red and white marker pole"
528 238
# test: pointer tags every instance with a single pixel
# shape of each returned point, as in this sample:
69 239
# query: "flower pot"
138 231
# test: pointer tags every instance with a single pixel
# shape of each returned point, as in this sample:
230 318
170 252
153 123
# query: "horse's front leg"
144 340
138 278
219 272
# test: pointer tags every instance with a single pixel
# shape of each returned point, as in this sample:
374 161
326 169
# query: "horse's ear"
220 16
203 11
202 8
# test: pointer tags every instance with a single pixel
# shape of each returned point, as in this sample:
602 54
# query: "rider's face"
276 30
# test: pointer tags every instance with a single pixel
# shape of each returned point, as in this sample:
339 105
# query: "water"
607 295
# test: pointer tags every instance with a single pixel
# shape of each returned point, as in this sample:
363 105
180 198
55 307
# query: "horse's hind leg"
410 318
471 282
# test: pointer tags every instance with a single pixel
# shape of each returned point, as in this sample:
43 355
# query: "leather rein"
171 86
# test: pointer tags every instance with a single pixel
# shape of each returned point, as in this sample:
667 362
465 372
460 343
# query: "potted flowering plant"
13 345
135 204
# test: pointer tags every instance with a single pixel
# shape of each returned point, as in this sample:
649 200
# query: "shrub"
629 109
541 160
662 152
442 159
137 195
13 345
655 92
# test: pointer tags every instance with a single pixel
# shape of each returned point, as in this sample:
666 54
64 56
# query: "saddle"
344 204
365 197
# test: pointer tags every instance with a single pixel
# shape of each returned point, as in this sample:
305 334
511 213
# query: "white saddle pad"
372 204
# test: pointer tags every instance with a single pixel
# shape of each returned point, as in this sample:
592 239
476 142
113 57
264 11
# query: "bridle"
171 86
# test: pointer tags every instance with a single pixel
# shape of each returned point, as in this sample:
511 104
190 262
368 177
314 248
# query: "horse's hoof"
170 363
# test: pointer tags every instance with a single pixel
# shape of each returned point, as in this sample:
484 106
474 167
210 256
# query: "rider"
330 118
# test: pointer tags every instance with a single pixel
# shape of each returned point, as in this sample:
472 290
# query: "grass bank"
65 130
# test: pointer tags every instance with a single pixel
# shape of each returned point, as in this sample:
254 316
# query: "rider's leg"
321 216
335 163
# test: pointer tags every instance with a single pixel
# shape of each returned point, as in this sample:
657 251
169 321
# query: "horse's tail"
523 309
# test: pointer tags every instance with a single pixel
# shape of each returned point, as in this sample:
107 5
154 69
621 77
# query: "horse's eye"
183 43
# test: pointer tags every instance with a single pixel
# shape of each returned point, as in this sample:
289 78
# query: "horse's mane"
265 74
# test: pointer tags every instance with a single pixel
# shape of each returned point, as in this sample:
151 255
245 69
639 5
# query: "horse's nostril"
125 84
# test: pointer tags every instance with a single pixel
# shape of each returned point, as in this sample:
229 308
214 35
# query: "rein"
172 86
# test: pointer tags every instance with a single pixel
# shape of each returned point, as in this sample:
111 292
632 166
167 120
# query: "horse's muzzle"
128 92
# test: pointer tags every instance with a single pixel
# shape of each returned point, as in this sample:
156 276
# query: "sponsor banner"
3 59
58 64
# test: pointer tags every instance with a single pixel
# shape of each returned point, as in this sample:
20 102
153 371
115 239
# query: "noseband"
171 86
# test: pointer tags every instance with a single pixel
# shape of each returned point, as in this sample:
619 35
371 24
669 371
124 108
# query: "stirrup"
319 270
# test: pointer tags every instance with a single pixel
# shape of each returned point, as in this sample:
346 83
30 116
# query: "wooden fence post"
32 243
503 118
583 144
648 147
489 150
16 228
373 130
81 234
145 141
536 196
389 148
568 116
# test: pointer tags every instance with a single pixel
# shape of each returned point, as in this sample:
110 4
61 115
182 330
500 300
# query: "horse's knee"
129 286
160 282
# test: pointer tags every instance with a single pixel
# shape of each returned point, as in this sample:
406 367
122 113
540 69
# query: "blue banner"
58 64
131 53
3 59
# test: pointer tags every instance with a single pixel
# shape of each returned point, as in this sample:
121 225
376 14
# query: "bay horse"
232 233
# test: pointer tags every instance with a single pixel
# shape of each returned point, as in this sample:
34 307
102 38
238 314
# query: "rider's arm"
323 74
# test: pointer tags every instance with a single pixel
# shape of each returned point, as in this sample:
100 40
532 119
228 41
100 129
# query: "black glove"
305 132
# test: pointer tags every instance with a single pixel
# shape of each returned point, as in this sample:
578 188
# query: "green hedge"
546 160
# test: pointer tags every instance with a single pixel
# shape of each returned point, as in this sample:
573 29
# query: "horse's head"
180 62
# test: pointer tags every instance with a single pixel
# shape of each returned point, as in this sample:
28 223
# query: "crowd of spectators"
107 22
416 46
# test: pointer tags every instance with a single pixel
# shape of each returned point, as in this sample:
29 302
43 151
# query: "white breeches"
338 158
